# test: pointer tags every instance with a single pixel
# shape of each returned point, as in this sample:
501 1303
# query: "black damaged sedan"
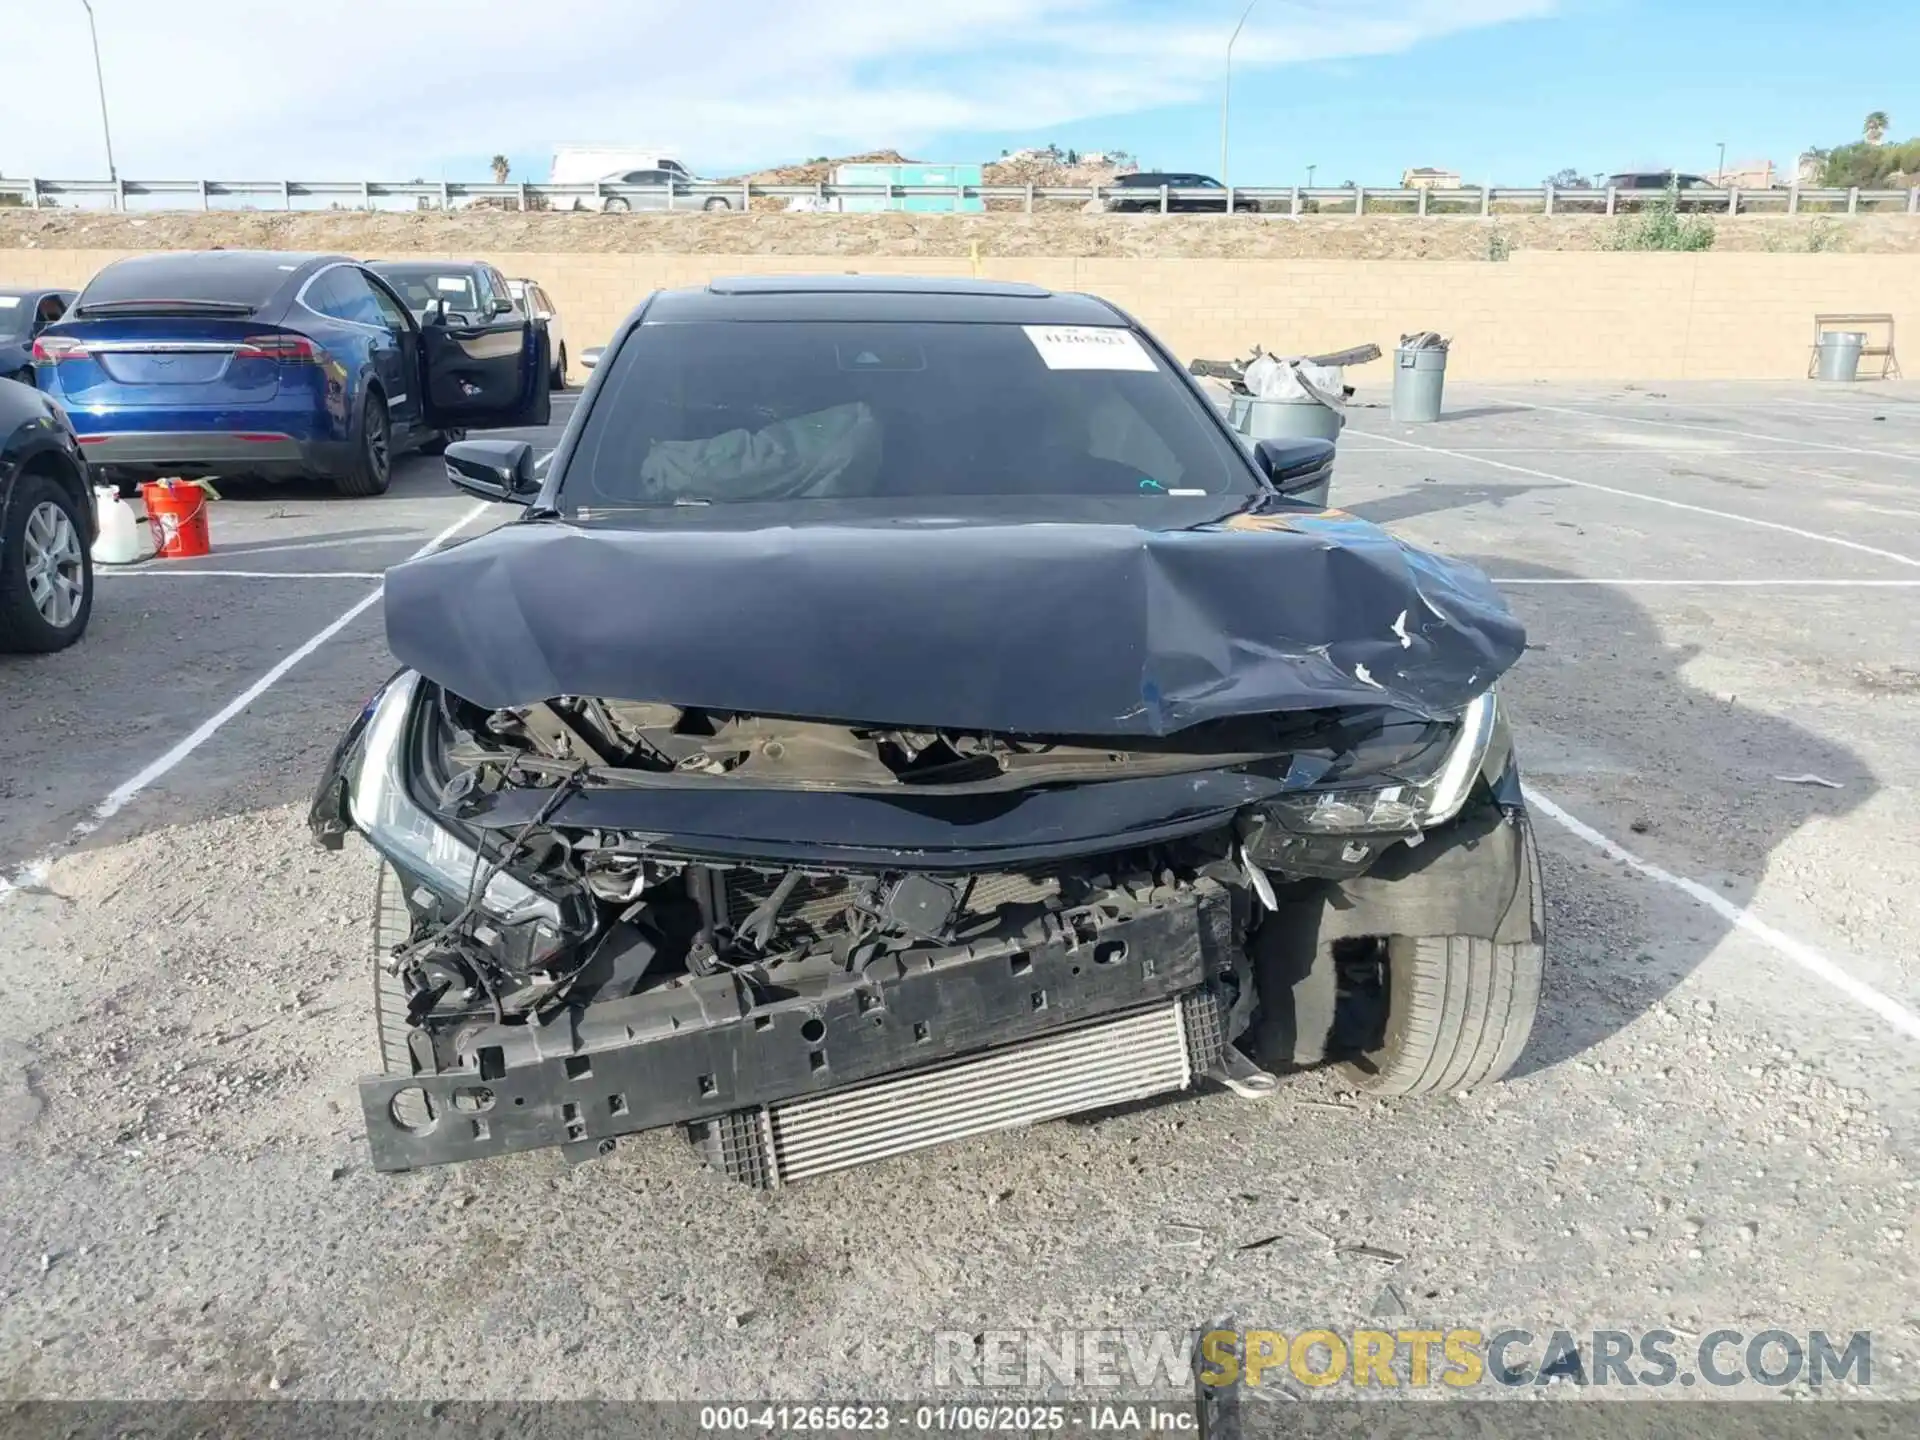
905 710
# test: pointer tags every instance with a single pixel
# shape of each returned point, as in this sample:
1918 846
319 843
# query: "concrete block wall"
1564 315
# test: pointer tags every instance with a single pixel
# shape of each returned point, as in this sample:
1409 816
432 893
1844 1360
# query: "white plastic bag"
1280 378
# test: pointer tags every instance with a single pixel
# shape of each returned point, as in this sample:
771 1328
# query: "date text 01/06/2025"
958 1419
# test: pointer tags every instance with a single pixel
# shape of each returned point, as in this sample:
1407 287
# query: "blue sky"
1502 90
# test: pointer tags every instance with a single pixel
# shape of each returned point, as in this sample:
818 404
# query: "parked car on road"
1149 183
238 362
47 525
668 190
532 297
23 315
907 710
1653 181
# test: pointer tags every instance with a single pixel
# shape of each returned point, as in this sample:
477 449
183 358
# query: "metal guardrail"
1291 200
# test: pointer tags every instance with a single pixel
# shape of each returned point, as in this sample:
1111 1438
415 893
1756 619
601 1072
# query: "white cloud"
384 88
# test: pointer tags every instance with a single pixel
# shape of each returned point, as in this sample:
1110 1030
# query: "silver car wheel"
56 568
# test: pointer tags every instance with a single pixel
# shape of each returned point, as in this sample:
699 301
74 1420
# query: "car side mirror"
590 357
497 307
1299 468
493 470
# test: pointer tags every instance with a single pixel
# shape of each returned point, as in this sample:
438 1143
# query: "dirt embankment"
1369 237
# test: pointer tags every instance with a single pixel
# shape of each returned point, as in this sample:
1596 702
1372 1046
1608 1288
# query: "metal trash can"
1418 376
1289 420
1838 355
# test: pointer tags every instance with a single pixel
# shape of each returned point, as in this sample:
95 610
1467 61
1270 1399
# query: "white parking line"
121 794
1892 555
1753 584
1612 415
1798 951
152 571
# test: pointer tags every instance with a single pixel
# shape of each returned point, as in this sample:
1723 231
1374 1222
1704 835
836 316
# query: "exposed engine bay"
513 957
634 918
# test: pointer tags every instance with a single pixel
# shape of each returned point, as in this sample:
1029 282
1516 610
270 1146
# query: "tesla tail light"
51 349
287 349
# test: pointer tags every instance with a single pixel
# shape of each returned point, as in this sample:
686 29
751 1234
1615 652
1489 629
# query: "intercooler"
1109 1062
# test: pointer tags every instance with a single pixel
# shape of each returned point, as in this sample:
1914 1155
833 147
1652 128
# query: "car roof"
163 265
877 297
258 275
444 267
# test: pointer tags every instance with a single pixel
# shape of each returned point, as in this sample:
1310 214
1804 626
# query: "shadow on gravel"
1683 778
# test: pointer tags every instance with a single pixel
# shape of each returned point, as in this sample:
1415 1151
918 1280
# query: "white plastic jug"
123 539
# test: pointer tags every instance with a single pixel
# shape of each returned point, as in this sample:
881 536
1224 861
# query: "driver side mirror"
493 470
497 307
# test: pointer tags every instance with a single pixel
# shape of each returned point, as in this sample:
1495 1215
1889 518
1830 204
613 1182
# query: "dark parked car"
1150 183
23 315
1657 180
236 362
906 710
47 525
471 292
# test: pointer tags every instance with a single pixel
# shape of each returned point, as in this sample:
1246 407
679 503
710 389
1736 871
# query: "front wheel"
46 571
558 379
1459 1010
616 205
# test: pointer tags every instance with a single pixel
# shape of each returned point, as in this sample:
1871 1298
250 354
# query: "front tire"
46 569
616 205
558 379
1459 1010
372 469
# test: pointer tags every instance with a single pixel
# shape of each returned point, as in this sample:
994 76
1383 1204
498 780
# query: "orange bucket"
177 515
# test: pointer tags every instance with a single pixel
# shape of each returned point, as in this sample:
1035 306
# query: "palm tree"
501 168
1876 127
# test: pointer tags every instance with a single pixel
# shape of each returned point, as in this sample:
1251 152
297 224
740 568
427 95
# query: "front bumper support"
699 1048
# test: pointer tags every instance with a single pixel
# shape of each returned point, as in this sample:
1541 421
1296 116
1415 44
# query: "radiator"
1108 1062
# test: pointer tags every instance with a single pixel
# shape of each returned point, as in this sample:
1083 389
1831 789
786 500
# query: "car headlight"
411 837
1407 807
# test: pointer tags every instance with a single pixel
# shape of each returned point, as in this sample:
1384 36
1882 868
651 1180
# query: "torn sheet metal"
1010 614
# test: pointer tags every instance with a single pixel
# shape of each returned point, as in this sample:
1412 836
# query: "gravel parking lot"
1716 1123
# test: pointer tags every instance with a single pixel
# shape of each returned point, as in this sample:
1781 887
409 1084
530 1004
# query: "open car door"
485 372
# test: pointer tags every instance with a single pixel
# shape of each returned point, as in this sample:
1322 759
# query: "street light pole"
1226 93
100 80
1310 170
1720 175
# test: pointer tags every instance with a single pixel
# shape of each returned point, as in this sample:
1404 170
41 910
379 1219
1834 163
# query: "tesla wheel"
718 202
559 376
372 470
46 572
441 439
616 205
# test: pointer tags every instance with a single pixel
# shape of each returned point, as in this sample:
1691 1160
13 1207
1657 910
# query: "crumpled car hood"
1083 617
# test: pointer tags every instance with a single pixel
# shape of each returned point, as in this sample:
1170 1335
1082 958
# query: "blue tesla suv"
264 363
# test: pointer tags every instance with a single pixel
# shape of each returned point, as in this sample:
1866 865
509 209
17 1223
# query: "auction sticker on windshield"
1088 347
